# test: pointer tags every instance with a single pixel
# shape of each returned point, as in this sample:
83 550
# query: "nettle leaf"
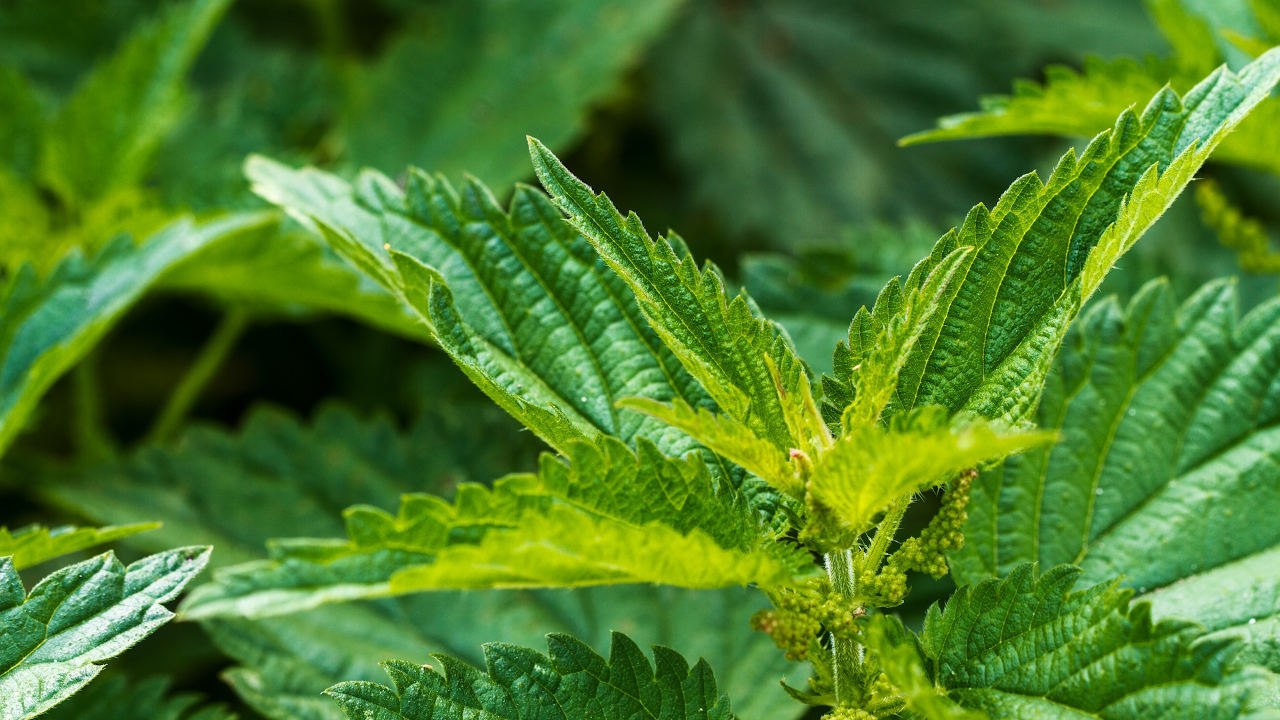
571 682
868 467
1072 102
103 136
118 699
52 639
35 544
288 661
604 515
1044 248
517 298
1026 646
1166 470
48 324
742 359
486 73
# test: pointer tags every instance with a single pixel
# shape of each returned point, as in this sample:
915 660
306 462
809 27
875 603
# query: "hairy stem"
846 654
215 350
884 535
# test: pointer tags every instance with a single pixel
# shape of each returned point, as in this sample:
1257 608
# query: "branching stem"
884 535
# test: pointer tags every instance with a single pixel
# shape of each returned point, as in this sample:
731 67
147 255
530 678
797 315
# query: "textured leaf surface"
1045 247
34 544
517 298
1166 473
605 515
288 661
571 682
1027 647
117 699
742 359
459 87
870 467
53 639
48 324
103 136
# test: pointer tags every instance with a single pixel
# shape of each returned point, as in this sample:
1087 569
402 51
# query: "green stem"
215 350
884 535
846 654
91 436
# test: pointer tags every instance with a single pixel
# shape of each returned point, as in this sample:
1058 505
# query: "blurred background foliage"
766 132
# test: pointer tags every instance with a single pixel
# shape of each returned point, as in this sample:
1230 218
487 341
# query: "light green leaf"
1081 103
1028 647
288 661
1045 247
463 82
1165 473
52 639
605 515
48 324
871 466
103 136
35 544
895 652
742 359
571 682
117 699
516 298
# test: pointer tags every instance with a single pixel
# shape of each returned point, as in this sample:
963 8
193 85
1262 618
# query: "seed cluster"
801 614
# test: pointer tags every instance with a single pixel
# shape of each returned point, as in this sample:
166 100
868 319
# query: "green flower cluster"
848 713
801 614
928 552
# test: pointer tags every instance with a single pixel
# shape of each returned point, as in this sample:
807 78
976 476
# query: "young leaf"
288 661
35 544
571 682
869 466
1164 475
48 324
117 699
1045 247
515 297
742 359
52 639
605 515
1026 646
103 137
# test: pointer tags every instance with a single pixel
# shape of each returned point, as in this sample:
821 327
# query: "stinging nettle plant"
692 447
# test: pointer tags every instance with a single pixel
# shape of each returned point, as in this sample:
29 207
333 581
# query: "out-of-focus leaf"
48 324
465 82
118 699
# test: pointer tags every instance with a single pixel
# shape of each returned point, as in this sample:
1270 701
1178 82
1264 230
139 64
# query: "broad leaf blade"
604 515
515 297
571 682
48 324
117 699
1028 647
55 637
1045 247
743 361
1168 417
35 544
